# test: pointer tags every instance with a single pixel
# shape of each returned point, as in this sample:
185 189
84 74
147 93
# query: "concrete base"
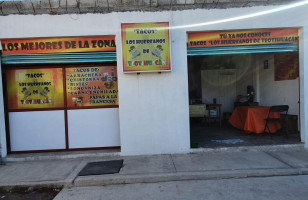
158 168
61 155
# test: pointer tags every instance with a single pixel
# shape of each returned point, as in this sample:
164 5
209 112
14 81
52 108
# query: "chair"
213 114
282 109
197 110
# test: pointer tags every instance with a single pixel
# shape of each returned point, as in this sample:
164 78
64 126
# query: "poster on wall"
58 45
35 88
146 47
286 66
91 86
243 37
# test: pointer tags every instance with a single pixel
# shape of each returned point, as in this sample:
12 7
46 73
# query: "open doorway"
236 92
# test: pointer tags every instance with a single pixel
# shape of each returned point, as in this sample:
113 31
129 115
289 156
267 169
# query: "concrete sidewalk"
247 162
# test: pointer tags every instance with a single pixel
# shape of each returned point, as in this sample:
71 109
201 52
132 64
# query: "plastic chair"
197 110
282 109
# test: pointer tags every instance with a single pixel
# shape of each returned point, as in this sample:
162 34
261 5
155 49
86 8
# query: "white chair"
197 110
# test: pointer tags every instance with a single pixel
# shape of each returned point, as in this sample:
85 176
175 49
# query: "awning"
244 49
52 58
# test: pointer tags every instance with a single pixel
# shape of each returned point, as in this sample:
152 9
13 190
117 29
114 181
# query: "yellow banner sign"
58 45
243 37
146 47
35 88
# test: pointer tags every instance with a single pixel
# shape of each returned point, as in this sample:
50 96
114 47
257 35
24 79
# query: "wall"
244 73
270 92
277 92
225 83
102 6
153 108
221 85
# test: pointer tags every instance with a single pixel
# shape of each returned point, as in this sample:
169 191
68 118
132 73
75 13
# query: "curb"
36 184
103 180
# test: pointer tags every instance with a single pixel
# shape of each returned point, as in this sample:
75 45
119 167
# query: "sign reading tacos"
35 88
91 86
58 45
243 37
146 47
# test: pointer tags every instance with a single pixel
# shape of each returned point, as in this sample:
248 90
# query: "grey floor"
203 135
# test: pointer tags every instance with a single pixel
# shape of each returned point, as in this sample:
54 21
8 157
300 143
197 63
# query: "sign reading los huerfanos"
146 47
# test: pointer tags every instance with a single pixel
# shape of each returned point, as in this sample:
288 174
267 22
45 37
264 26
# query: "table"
252 119
216 107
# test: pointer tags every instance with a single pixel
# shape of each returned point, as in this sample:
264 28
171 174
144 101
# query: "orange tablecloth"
252 119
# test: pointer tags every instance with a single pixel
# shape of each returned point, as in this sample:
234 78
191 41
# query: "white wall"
154 107
277 92
244 73
89 128
225 84
37 130
219 84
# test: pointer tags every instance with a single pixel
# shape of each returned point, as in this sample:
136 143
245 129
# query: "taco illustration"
45 92
157 51
135 53
26 92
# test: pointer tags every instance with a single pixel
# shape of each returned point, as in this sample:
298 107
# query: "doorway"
258 80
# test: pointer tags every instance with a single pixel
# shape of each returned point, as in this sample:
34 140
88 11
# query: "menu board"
91 86
35 88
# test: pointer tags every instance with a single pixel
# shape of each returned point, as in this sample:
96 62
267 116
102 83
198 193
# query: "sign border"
152 71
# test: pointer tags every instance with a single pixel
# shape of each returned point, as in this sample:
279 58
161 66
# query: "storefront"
61 93
153 108
238 75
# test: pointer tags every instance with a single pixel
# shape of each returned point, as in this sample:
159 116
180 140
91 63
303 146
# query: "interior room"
230 98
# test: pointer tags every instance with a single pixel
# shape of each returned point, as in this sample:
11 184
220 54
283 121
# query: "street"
278 188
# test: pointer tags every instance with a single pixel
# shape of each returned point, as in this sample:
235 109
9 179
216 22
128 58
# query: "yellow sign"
146 47
35 88
243 37
58 45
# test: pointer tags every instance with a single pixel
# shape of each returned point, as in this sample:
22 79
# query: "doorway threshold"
62 155
280 147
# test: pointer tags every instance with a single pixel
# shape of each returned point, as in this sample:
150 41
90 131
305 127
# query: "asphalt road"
265 188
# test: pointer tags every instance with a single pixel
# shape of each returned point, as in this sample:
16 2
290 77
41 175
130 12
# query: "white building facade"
153 112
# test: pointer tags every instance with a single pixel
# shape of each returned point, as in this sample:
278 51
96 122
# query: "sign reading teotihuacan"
243 37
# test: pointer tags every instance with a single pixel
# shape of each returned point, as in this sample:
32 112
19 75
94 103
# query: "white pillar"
3 147
303 74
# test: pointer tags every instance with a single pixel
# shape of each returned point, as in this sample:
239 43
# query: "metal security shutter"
245 49
87 57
